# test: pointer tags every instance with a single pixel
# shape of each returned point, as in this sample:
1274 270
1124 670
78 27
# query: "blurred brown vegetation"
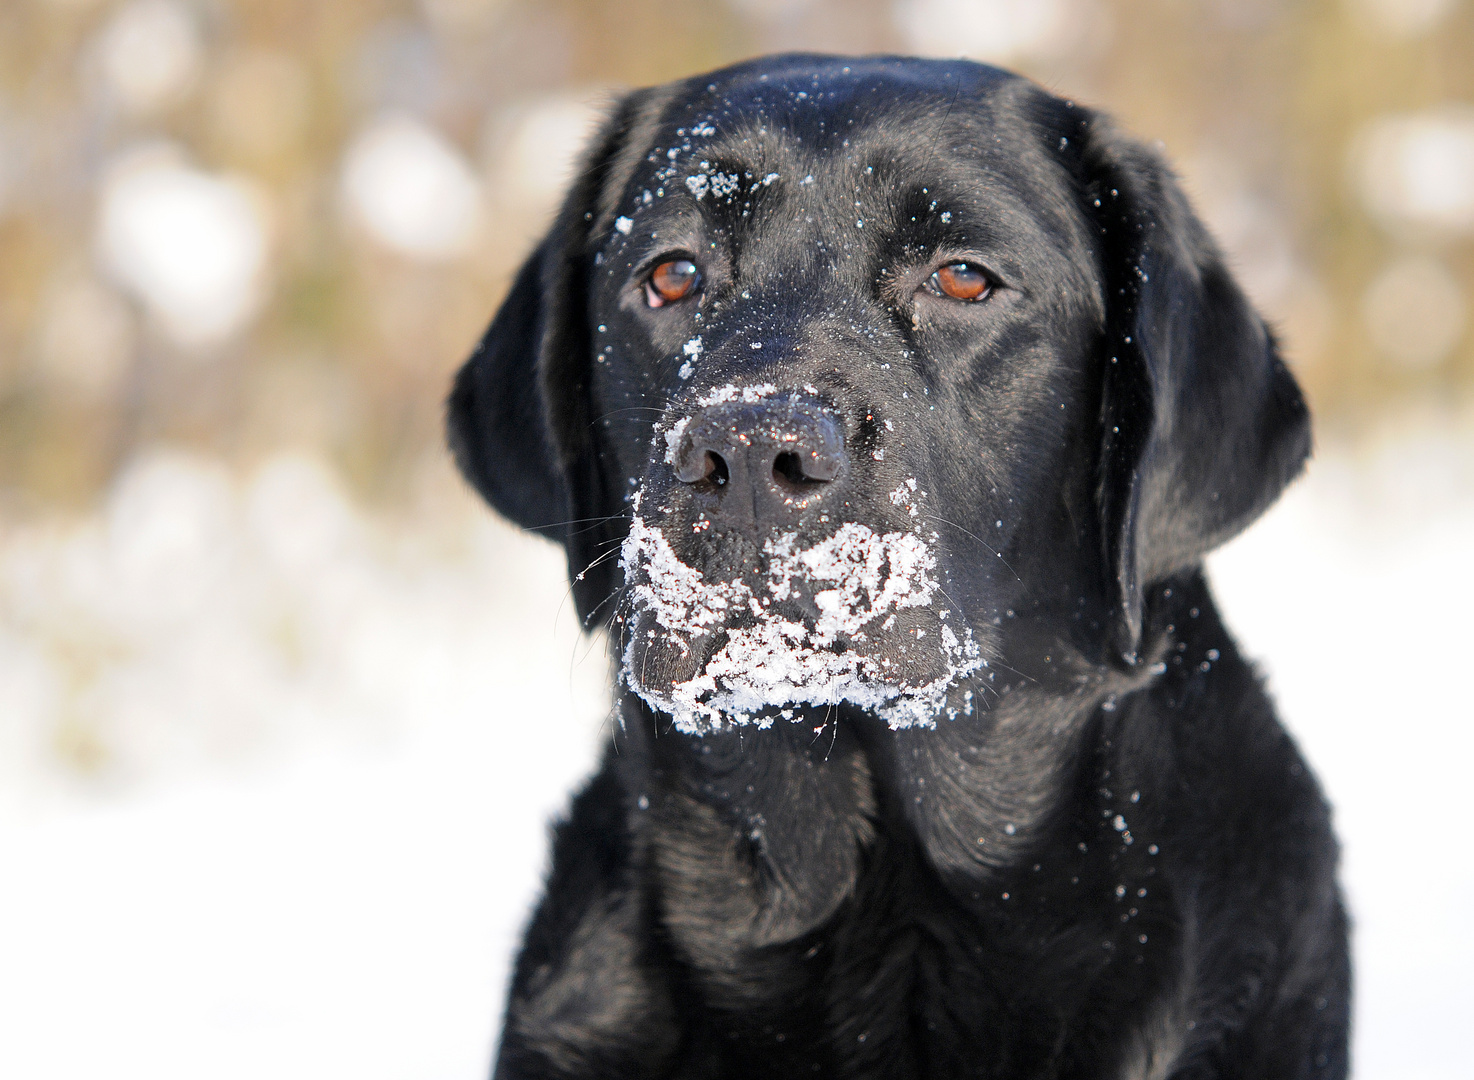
1262 103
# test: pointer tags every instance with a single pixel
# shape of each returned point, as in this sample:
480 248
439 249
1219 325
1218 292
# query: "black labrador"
886 409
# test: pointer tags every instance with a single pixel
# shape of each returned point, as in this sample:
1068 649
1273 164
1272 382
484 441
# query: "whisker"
819 731
595 610
644 665
575 660
617 413
599 521
941 129
579 576
1016 671
992 661
996 553
955 605
537 529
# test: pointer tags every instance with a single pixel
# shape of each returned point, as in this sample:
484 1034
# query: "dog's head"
829 369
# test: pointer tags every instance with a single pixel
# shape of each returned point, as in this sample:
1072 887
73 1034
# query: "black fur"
1116 864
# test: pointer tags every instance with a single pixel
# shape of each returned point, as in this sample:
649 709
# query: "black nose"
762 460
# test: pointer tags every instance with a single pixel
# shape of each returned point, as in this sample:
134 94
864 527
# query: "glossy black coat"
1116 864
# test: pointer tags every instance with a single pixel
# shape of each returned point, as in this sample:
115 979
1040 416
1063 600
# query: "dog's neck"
765 829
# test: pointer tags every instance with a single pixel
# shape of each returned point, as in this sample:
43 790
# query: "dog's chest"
818 927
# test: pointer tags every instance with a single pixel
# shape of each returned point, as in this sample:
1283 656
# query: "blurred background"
284 712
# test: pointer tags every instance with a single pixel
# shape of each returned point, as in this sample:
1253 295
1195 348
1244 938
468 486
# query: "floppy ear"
495 416
519 417
1202 425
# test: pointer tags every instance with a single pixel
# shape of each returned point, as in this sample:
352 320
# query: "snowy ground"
275 773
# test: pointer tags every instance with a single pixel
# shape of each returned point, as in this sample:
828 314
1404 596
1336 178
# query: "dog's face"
832 368
840 331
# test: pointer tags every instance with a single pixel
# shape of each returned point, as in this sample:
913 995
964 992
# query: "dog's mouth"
857 617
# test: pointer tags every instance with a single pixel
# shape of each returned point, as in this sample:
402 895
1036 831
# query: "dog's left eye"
671 281
961 281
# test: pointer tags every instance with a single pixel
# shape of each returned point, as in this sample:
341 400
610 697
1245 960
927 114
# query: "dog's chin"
856 618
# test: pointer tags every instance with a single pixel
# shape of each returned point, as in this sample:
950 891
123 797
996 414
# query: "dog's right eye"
961 281
671 281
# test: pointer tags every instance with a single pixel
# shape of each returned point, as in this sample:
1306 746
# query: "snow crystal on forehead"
746 394
722 185
779 661
725 185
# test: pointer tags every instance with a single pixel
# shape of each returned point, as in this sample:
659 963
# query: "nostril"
787 466
701 466
775 453
716 469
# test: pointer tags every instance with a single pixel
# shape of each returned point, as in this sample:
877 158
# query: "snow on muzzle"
856 618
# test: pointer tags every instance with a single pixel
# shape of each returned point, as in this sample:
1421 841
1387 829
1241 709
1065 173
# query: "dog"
886 409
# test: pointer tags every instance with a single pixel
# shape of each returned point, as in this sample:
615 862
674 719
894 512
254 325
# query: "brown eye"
671 281
961 281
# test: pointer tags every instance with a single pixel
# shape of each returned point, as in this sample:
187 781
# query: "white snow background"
333 742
